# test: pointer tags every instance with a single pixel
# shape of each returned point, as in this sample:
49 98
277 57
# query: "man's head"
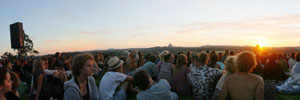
152 58
142 80
115 64
245 62
203 58
194 59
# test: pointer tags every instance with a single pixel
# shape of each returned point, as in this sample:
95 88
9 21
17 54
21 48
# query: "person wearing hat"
114 83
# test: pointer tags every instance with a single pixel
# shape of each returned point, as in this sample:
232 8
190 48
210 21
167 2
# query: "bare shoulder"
256 78
231 77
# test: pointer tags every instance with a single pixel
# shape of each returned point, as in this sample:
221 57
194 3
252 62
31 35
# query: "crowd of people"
206 75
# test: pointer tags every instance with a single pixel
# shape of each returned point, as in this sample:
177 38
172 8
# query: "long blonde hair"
37 65
229 65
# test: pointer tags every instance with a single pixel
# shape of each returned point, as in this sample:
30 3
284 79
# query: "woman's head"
5 81
245 62
229 64
181 61
38 64
82 65
169 58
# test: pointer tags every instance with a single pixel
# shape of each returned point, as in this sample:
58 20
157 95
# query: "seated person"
243 85
114 83
151 90
83 85
204 78
292 84
228 70
150 67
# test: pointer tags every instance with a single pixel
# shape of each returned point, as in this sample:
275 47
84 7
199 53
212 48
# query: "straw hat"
114 63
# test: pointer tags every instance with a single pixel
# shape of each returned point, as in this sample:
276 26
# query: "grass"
288 97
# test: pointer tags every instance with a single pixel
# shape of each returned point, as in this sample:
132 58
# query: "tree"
27 48
8 55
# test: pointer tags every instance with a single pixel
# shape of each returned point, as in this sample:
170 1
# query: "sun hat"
114 63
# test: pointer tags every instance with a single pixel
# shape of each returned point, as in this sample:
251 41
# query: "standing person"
204 78
243 85
167 68
82 86
5 83
114 83
39 79
181 77
151 90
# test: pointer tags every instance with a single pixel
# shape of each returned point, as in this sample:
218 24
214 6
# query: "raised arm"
129 78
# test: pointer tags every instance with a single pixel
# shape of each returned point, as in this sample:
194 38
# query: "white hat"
114 63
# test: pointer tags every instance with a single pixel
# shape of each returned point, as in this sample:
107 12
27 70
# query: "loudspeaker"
16 35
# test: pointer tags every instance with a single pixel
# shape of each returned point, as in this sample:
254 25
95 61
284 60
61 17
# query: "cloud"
138 35
53 41
92 32
275 31
86 32
266 25
191 31
124 2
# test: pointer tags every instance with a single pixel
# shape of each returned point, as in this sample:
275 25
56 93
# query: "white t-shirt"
109 82
49 72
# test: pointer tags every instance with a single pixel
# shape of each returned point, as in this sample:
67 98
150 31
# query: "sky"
81 25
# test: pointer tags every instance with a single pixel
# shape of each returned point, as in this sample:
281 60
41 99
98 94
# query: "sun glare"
261 44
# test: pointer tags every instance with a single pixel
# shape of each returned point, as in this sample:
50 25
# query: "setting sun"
262 44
